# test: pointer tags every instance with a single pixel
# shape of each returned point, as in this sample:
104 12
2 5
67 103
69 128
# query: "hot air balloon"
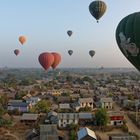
91 53
57 59
16 52
69 32
70 52
128 38
22 39
97 9
46 60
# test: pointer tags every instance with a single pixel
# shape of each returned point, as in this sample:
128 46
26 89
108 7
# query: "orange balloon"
22 39
46 60
57 59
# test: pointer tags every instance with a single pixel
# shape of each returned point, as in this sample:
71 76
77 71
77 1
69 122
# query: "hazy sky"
45 23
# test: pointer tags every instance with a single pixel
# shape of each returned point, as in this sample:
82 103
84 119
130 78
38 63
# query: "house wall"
21 109
64 123
107 105
33 101
116 122
67 119
86 104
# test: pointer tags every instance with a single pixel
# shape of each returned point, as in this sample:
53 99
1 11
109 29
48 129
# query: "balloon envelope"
46 60
22 39
128 38
97 9
91 53
70 52
57 59
16 52
69 32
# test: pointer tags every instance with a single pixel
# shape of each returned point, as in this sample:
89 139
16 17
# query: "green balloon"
128 38
97 9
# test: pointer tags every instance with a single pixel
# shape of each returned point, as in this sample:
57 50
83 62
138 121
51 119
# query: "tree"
2 111
66 94
42 106
130 97
110 94
69 78
4 100
73 126
79 81
101 117
88 79
19 95
72 135
85 109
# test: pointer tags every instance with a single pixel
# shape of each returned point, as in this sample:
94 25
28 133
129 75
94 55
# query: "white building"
33 100
86 102
64 119
106 103
64 106
116 118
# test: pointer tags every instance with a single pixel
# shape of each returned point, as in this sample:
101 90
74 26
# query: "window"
67 116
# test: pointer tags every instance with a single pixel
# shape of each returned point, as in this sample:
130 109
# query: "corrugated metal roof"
85 115
84 100
18 104
106 100
28 116
122 137
86 132
64 106
48 132
70 116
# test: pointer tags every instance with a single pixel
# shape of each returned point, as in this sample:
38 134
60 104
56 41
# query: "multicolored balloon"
91 53
70 52
22 39
57 59
128 38
16 52
46 60
69 32
97 9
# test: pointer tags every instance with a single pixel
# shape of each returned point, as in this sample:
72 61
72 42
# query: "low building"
52 117
27 96
55 93
63 99
106 103
29 118
64 106
116 117
76 106
121 137
64 119
85 118
18 105
86 102
48 132
86 134
33 100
